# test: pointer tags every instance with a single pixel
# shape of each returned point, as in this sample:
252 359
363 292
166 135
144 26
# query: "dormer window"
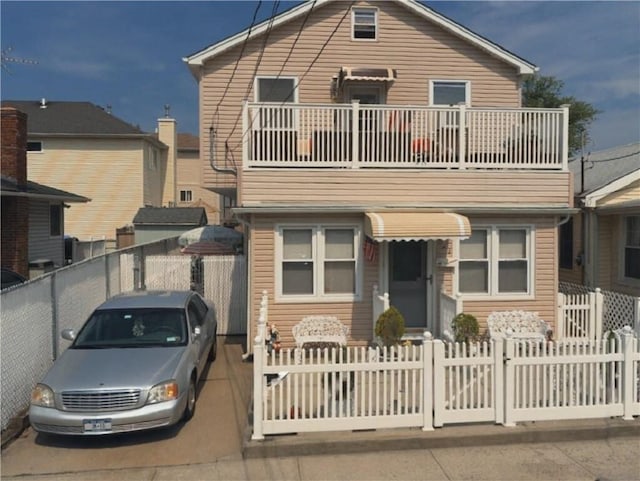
365 23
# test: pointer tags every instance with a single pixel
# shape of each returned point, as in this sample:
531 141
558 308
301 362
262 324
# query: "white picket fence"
436 383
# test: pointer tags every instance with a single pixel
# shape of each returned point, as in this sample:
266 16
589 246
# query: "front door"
408 281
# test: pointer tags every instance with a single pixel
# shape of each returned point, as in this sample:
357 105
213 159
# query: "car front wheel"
213 352
190 408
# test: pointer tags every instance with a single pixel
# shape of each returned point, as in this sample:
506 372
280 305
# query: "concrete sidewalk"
451 436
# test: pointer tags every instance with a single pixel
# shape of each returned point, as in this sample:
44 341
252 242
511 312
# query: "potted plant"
390 327
465 327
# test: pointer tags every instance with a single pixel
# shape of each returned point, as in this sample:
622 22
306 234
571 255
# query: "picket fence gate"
437 383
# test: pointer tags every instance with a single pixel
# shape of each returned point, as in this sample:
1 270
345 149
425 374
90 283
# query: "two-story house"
80 147
379 150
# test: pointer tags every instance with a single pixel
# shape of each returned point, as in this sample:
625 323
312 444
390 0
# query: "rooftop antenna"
6 58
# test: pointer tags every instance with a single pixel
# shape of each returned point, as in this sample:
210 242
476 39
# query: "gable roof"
609 169
71 118
10 188
170 215
195 60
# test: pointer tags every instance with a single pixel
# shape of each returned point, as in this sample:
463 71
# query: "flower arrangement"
273 338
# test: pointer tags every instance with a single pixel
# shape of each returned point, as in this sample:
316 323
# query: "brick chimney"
14 233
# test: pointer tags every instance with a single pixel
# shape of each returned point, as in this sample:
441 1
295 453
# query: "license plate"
97 425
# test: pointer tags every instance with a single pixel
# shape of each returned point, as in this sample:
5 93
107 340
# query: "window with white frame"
364 23
186 196
632 247
496 260
281 90
449 92
318 262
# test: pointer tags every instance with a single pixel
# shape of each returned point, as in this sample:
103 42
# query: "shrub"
390 326
465 327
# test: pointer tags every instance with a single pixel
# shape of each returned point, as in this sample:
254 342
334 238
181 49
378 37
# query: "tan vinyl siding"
545 271
154 173
41 244
109 172
356 315
189 175
632 192
418 50
397 187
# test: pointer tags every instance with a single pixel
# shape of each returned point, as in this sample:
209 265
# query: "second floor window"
275 90
186 196
365 23
447 92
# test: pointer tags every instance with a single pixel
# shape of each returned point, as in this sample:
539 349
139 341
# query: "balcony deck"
355 136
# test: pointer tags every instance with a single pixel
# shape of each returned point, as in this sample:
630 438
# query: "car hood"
140 368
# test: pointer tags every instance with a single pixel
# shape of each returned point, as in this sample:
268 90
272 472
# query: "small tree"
390 326
465 327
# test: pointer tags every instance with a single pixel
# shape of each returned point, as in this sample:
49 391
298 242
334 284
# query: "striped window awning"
408 226
367 74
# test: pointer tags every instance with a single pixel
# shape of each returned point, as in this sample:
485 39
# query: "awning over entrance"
407 226
367 74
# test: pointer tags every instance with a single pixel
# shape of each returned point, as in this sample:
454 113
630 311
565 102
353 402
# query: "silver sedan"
135 364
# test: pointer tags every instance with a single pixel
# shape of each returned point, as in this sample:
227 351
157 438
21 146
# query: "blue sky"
129 54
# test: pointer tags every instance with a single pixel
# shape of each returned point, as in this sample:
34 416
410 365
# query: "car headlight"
42 395
166 391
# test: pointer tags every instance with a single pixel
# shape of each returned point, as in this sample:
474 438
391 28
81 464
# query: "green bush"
465 327
390 326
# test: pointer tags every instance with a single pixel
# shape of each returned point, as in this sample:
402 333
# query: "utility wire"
235 67
347 11
274 11
614 158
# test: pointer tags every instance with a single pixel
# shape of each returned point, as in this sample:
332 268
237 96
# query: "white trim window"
449 92
364 24
276 90
186 196
318 263
497 261
631 246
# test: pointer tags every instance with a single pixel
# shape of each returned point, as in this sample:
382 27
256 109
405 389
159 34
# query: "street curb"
331 443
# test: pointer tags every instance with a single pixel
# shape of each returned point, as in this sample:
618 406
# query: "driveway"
215 432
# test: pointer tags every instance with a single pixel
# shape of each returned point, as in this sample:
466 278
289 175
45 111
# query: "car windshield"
124 328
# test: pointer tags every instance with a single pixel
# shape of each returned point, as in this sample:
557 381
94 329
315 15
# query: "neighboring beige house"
191 193
600 246
383 150
79 147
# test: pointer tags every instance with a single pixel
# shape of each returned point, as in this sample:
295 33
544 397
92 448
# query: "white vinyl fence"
584 312
435 383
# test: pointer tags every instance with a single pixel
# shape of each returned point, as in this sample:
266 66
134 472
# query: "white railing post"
564 144
438 391
355 134
258 388
427 381
628 373
598 312
462 135
509 381
246 136
497 347
561 321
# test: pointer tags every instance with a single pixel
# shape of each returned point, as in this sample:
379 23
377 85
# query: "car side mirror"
197 331
68 334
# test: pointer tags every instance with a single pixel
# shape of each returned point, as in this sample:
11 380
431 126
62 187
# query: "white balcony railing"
361 136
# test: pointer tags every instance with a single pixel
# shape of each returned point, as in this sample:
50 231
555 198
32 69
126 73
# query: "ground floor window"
496 260
318 262
55 220
632 247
